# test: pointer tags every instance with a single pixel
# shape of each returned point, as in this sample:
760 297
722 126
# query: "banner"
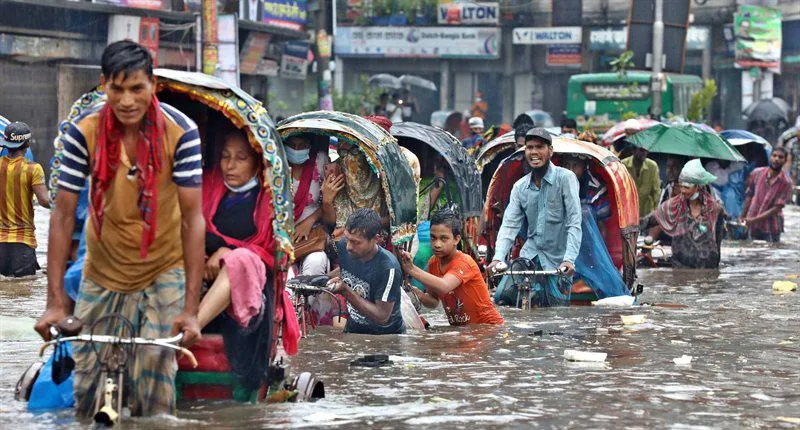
616 38
289 14
547 35
758 37
564 55
468 13
141 4
418 42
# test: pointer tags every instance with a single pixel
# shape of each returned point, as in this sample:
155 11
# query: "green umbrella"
685 139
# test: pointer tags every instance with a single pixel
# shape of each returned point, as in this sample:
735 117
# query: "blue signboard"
290 14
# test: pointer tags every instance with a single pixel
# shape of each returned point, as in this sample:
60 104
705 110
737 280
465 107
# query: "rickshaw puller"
145 239
547 201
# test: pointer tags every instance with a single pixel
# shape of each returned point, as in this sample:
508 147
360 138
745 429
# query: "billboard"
468 13
758 37
289 14
547 35
418 42
564 55
141 4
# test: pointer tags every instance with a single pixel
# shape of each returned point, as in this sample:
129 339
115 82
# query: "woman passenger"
694 219
308 173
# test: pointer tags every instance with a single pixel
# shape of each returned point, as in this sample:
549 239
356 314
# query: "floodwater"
744 340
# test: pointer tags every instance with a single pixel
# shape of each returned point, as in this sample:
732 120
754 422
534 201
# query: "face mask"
252 183
695 196
297 156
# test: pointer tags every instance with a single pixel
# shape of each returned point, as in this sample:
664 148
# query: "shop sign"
547 35
294 61
418 42
253 52
564 55
758 37
468 13
616 38
289 14
140 4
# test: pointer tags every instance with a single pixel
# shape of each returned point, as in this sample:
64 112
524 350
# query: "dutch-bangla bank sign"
547 35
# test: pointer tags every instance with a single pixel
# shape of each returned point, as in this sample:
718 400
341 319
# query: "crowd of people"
173 245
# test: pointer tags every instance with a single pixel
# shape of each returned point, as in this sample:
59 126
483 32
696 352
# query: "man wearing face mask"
693 219
547 201
768 191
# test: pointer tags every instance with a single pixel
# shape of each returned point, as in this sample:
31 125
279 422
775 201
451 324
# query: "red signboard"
148 36
564 55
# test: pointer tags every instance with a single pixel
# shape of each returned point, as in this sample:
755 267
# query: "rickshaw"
216 106
386 161
622 227
384 157
492 154
431 143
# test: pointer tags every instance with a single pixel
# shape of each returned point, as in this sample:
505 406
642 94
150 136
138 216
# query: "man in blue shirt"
547 202
368 277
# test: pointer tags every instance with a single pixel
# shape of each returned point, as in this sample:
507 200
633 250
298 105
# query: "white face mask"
695 196
249 185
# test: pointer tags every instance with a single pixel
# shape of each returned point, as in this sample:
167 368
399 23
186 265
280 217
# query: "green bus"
598 100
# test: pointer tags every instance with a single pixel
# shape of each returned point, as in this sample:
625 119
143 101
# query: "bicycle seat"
312 280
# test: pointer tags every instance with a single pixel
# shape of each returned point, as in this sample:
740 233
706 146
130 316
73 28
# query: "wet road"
744 339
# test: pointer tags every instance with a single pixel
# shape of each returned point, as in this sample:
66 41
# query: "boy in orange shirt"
453 277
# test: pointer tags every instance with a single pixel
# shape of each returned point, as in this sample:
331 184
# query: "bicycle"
303 288
113 360
532 284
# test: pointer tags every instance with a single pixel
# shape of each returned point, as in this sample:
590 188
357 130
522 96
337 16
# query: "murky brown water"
745 342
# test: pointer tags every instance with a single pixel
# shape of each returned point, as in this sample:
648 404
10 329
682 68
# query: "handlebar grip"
190 356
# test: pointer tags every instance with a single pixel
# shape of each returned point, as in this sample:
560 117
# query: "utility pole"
658 49
210 53
323 58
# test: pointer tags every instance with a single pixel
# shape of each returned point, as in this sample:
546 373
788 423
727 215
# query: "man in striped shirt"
19 180
145 233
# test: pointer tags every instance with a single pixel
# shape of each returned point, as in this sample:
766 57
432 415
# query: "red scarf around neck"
262 243
148 163
301 194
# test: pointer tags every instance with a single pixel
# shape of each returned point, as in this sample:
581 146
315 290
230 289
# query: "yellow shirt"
648 184
113 260
18 176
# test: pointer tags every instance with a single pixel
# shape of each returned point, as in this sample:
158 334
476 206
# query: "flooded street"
744 340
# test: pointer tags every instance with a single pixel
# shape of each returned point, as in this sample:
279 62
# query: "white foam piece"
576 355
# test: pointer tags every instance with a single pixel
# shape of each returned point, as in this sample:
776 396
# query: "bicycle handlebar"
168 342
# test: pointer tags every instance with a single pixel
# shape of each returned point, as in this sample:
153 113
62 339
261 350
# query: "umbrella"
742 137
3 123
767 110
685 139
787 136
417 81
617 132
385 80
704 127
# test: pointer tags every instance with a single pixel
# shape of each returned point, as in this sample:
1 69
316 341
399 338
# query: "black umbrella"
767 111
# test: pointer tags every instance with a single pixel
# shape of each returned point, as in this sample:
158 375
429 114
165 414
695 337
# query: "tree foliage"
700 103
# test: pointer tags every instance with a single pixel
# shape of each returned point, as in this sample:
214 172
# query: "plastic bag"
46 394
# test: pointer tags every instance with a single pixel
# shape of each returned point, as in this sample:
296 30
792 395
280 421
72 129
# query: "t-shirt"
375 280
18 176
470 302
113 259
